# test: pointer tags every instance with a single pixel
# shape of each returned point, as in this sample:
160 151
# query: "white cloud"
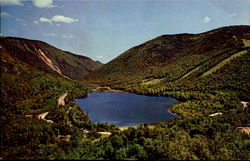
36 3
50 34
43 19
11 2
58 24
19 20
43 3
58 18
35 22
99 57
4 14
206 19
68 36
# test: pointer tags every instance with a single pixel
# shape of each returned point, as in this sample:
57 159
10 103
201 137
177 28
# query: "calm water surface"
126 109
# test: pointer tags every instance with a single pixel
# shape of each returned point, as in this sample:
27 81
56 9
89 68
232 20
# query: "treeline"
193 138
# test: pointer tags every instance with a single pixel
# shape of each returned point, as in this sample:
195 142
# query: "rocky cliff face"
47 58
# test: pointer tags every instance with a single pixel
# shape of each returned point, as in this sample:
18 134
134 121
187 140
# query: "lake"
126 109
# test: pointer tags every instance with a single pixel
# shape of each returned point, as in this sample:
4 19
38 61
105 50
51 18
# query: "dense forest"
209 73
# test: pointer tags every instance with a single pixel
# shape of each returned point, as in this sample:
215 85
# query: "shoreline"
123 128
169 111
107 89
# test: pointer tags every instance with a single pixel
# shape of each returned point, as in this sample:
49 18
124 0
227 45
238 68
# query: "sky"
103 29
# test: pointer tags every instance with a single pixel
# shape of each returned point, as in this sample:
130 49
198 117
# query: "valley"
208 73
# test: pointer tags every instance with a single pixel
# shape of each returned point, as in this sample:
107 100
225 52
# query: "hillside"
209 73
164 55
47 58
178 62
37 94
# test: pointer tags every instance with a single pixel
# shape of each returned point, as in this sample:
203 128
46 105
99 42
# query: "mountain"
34 74
217 59
209 73
45 57
34 77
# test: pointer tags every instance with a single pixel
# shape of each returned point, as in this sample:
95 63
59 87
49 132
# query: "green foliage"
172 56
28 91
178 61
172 65
32 91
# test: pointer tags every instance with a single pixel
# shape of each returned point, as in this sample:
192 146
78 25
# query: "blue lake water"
126 109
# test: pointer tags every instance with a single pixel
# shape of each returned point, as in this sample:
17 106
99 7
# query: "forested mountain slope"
48 58
209 73
34 75
217 59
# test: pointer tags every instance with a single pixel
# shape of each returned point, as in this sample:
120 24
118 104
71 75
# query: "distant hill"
45 57
217 59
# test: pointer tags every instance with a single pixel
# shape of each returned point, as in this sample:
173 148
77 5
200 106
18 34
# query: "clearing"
122 128
246 42
223 62
106 89
152 81
192 71
244 130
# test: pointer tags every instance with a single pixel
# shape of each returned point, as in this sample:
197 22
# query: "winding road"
60 100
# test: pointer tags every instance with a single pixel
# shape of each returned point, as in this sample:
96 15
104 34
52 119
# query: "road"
60 100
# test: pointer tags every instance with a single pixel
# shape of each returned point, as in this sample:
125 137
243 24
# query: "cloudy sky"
103 29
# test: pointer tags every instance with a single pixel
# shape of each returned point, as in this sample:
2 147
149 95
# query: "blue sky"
103 29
